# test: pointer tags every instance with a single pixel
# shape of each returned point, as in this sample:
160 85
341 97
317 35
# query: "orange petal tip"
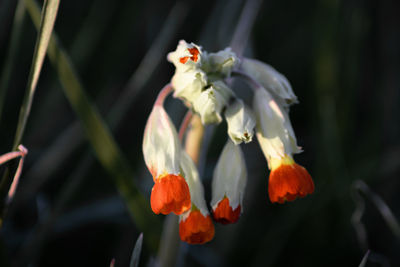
225 214
195 55
289 181
170 193
196 228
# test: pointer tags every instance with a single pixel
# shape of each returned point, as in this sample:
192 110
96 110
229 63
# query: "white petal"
241 122
274 130
189 85
270 79
230 177
221 62
182 50
161 146
211 101
195 186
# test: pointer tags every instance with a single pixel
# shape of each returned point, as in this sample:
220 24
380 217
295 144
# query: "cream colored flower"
274 130
229 182
186 56
241 122
221 62
211 101
189 85
161 146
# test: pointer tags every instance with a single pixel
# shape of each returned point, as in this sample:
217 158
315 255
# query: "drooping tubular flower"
195 225
228 185
162 152
275 134
241 122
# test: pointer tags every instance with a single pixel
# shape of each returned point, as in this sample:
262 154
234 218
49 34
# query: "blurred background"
343 61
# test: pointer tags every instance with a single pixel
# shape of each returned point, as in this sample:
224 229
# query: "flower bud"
186 56
241 122
211 101
161 150
273 128
228 185
189 85
270 79
195 225
221 62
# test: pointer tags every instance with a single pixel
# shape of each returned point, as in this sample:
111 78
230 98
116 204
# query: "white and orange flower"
161 150
195 225
228 185
275 135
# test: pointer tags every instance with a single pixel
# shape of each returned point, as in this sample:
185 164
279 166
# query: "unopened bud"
241 122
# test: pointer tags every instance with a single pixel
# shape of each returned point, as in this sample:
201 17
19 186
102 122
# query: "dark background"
342 59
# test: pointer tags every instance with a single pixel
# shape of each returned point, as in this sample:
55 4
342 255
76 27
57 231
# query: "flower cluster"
199 81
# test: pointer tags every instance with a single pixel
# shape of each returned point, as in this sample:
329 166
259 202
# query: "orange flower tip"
289 181
225 214
196 228
195 55
170 193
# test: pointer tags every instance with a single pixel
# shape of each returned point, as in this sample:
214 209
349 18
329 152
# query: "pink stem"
163 94
185 124
12 155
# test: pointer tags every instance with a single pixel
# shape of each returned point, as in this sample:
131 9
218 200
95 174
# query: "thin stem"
13 187
185 124
162 95
9 156
194 138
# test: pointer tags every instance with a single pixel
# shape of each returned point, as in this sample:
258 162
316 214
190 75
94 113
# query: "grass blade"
136 252
100 138
364 259
48 17
49 14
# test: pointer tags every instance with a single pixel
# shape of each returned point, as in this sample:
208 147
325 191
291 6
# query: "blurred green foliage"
343 61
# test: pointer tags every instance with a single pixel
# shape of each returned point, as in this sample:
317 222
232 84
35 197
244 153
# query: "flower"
225 214
221 62
241 122
211 102
275 134
170 193
161 150
186 56
228 184
288 180
270 79
273 128
196 228
195 225
189 85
